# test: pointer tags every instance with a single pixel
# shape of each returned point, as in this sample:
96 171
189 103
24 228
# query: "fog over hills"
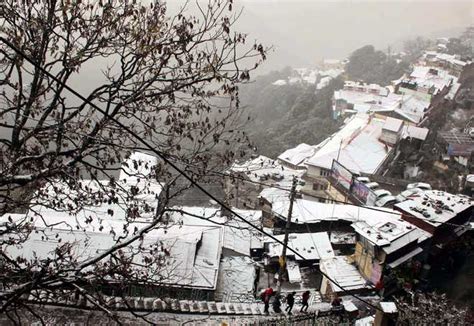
303 32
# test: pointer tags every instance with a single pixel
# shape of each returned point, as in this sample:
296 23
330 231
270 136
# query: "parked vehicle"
372 185
386 201
363 179
420 185
404 195
380 193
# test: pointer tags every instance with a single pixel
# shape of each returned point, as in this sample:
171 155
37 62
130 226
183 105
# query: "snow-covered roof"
101 200
309 76
237 235
435 207
415 132
412 107
294 273
192 258
341 237
388 307
423 77
343 273
382 226
262 169
392 124
333 73
365 321
99 205
273 195
390 233
312 246
297 155
438 56
311 211
356 146
236 276
453 91
369 99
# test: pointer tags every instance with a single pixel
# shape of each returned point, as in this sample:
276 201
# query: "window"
318 186
323 173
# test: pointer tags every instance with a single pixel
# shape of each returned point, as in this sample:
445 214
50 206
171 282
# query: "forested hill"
284 116
374 66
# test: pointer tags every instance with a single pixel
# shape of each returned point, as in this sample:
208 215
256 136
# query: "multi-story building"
355 149
384 243
445 216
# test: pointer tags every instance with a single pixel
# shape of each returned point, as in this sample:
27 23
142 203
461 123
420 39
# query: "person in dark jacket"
305 297
276 304
290 301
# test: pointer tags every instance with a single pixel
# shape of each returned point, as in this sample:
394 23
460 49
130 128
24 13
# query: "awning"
403 259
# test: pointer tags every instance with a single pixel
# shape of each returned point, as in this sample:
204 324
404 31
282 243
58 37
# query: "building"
341 270
382 101
294 158
314 247
384 243
246 180
192 254
307 76
426 82
178 259
458 145
354 150
357 97
450 62
443 215
391 131
238 238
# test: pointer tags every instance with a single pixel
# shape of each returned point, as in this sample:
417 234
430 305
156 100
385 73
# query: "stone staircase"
169 305
147 304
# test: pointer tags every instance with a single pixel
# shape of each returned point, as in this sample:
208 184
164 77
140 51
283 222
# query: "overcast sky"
305 31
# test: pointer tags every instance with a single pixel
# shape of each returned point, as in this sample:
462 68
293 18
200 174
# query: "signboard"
363 193
376 273
342 175
460 149
360 191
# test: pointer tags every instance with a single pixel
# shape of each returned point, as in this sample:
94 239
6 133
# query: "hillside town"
335 231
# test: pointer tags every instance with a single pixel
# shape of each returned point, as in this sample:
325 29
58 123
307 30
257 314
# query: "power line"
386 211
168 161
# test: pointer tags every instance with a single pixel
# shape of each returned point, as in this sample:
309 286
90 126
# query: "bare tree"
430 309
170 80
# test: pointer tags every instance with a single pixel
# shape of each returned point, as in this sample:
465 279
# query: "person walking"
266 299
290 301
276 304
337 308
305 297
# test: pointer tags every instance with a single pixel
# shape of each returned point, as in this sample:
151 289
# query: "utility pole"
282 259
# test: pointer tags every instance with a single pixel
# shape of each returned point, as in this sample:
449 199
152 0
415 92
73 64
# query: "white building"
295 158
247 180
356 146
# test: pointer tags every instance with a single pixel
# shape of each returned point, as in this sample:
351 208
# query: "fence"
299 320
